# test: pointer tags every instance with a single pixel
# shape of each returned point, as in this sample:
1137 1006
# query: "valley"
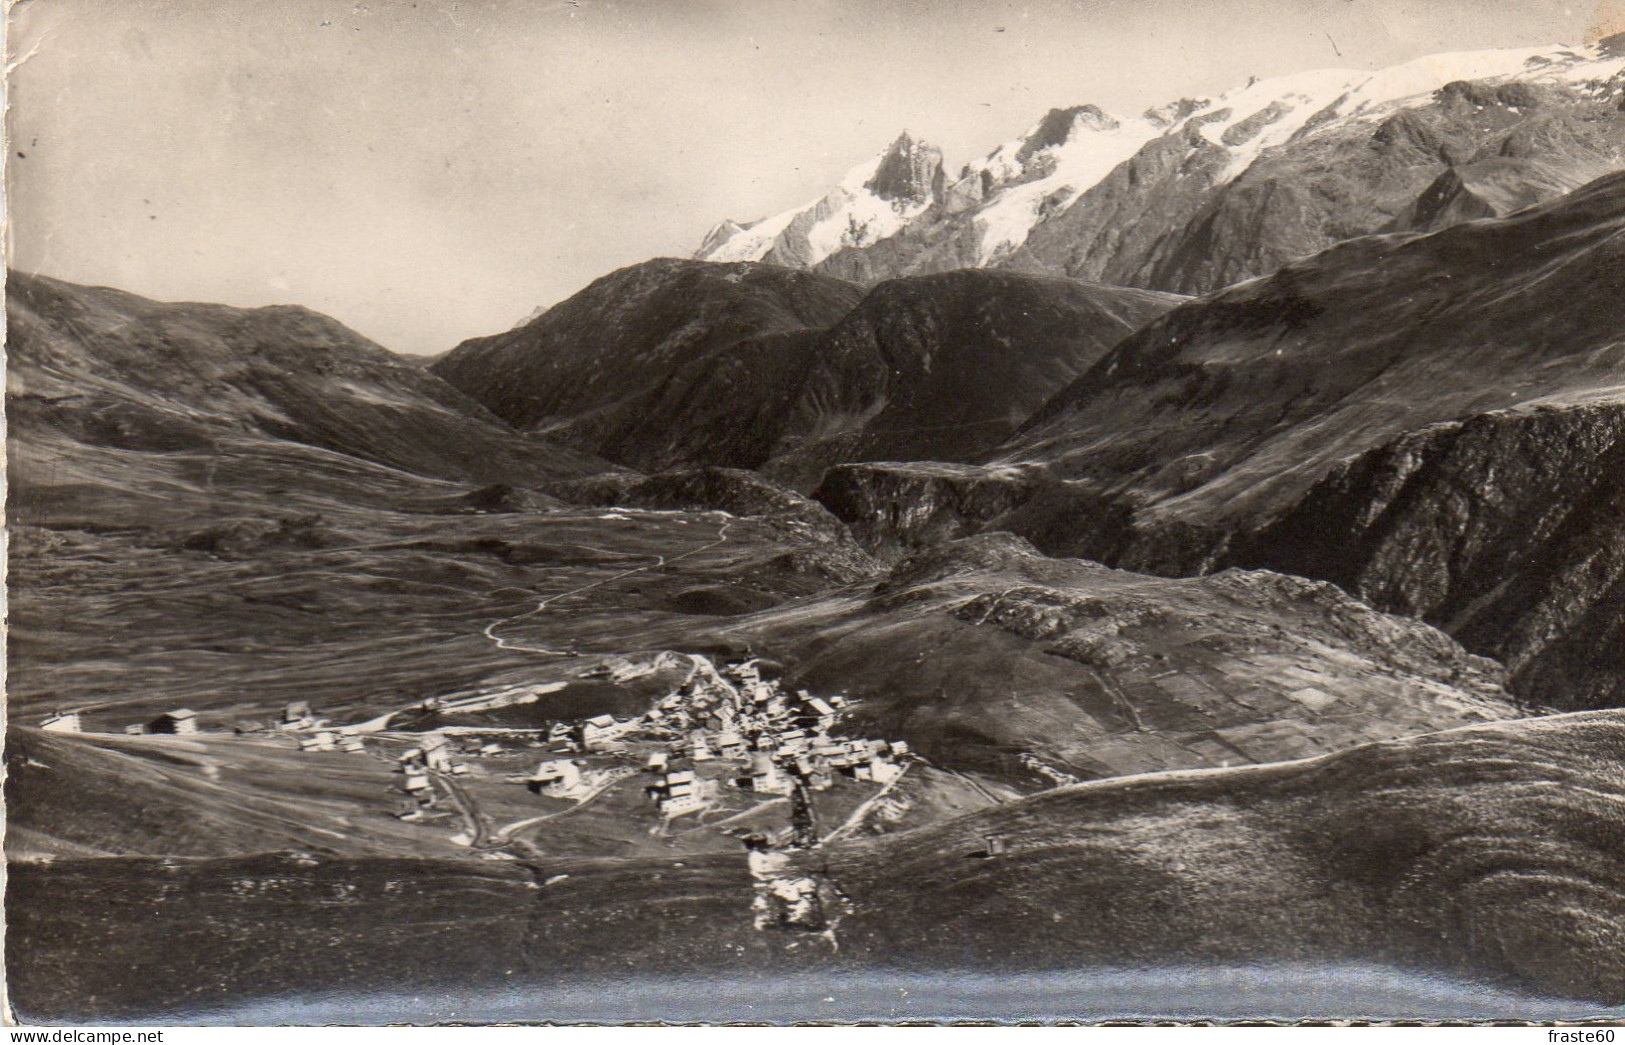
1176 551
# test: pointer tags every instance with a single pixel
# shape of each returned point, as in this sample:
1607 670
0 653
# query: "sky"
431 170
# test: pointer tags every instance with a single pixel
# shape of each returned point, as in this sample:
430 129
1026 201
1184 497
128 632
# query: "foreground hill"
1474 859
97 367
672 363
1494 850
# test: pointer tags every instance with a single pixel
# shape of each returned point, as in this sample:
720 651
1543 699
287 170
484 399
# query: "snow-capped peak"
1046 169
876 199
1267 113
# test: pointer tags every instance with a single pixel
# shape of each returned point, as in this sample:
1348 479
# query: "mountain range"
1196 194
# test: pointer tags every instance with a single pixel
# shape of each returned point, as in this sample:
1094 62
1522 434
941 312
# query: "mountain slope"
1494 850
585 363
97 367
904 375
1229 408
985 655
679 363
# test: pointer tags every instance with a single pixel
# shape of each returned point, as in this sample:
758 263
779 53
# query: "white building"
602 730
559 778
63 722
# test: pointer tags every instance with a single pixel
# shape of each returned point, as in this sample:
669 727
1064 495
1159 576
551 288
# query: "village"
725 746
720 737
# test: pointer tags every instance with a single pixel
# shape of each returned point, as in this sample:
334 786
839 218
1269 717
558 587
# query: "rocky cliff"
1507 529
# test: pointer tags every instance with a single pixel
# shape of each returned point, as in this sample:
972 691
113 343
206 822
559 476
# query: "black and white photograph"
825 512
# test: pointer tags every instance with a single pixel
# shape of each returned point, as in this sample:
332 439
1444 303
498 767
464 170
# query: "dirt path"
660 561
479 830
504 835
862 811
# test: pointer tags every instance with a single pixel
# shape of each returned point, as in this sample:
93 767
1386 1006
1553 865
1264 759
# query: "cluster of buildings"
785 739
312 732
781 741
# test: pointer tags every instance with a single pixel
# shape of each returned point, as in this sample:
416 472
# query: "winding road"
490 630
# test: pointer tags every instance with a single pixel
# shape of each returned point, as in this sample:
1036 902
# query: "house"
183 720
660 790
679 792
417 781
602 730
656 763
459 768
63 722
319 742
815 714
352 745
296 712
684 798
766 777
491 749
135 729
436 751
556 779
699 747
996 845
731 745
878 770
